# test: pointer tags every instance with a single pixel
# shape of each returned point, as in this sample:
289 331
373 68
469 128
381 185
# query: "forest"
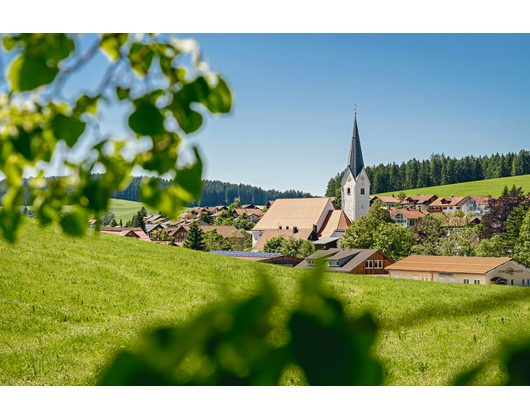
439 170
214 192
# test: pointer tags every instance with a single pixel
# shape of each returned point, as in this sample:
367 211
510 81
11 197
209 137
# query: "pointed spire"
355 159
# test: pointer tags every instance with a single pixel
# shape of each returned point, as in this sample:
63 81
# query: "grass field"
486 187
68 305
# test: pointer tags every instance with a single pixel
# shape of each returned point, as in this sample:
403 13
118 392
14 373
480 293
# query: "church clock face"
349 178
362 177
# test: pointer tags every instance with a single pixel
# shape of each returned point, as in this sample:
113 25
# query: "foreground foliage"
34 119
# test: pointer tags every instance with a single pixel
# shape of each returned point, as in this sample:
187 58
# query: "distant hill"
485 187
214 193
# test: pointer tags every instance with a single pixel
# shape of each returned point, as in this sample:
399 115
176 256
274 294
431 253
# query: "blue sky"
294 100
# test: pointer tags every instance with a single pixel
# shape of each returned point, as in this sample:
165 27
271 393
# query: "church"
355 185
317 219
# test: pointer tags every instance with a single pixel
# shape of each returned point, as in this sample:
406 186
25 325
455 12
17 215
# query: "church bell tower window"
362 191
349 191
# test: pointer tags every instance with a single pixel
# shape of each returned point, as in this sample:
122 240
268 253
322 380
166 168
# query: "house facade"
352 261
463 270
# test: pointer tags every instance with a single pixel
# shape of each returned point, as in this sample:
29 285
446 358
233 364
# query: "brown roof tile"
465 265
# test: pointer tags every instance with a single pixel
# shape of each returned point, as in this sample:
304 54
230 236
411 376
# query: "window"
362 191
441 279
523 282
287 227
280 227
369 264
396 276
511 282
415 278
466 281
476 281
378 264
348 191
451 280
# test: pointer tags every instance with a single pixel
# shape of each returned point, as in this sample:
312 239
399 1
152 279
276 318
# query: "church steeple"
355 159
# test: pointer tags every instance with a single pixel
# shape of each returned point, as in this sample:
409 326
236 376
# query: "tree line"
214 192
439 170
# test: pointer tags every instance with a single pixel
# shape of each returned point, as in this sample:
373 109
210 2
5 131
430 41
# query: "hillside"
485 187
68 305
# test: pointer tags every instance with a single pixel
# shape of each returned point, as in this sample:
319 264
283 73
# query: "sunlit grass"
68 305
486 187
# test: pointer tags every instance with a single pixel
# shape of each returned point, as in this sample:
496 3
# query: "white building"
355 185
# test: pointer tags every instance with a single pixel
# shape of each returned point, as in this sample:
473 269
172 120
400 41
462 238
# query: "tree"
106 218
514 223
427 235
205 217
360 233
121 222
162 235
498 211
235 205
113 223
138 220
490 247
522 248
243 222
216 242
299 248
274 244
40 65
224 219
458 242
240 242
195 238
393 240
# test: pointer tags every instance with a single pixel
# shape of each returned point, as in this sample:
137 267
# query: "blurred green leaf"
122 93
147 120
74 223
68 129
28 73
111 44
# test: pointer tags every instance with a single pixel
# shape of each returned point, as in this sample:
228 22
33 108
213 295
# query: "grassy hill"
486 187
68 305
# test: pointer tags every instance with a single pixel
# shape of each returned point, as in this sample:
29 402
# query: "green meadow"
492 187
68 305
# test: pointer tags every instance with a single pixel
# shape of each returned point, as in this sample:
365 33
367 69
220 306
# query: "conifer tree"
195 238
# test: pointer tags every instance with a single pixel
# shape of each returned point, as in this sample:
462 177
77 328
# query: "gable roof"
480 199
249 211
124 231
447 201
387 199
303 213
410 214
335 220
435 263
353 258
420 199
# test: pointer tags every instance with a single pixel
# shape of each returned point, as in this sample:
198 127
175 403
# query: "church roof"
355 158
302 213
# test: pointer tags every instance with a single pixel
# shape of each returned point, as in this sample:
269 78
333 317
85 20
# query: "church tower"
355 185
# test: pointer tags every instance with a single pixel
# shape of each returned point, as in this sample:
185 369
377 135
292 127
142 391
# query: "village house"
406 217
129 232
226 231
156 219
352 261
475 204
388 201
463 270
151 229
418 202
253 213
